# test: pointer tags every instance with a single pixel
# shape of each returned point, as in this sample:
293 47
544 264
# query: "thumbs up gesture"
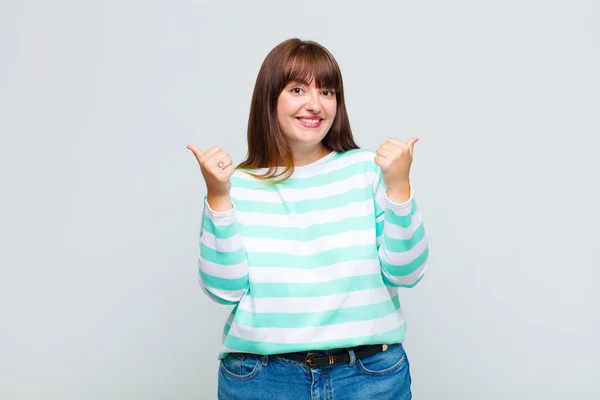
394 157
217 169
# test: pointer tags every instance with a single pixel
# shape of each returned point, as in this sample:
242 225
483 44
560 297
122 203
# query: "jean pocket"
240 366
384 362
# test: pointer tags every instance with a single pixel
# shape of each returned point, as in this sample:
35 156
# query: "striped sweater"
315 262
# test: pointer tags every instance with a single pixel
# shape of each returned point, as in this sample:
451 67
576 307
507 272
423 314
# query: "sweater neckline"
316 162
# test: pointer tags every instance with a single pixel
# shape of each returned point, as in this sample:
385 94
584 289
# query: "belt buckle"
311 364
308 360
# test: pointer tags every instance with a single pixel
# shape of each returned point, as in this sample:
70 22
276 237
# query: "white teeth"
309 121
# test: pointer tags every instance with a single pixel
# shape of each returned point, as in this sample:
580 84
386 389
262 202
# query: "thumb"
411 143
196 150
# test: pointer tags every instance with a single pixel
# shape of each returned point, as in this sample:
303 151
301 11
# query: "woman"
309 239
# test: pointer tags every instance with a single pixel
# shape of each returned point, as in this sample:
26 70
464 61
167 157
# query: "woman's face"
305 113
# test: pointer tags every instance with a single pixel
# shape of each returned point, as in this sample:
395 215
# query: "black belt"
314 359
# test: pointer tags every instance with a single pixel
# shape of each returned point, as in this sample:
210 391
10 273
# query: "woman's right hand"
217 169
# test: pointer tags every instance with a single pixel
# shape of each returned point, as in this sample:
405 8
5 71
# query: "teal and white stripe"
314 262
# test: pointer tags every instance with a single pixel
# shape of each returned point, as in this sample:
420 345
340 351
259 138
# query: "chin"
311 141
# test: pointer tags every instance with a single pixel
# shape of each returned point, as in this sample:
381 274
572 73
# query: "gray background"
101 202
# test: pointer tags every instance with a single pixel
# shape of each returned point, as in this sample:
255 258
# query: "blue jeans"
385 375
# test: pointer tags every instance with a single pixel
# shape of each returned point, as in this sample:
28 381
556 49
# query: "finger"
208 154
394 147
396 142
224 174
223 162
386 151
380 161
227 161
196 150
216 157
229 170
411 143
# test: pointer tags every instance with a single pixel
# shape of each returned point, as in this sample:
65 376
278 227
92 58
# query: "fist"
217 168
394 157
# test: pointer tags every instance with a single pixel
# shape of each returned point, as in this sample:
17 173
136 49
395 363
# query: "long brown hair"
291 60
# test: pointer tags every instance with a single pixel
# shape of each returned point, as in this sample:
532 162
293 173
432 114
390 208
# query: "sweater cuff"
391 205
223 217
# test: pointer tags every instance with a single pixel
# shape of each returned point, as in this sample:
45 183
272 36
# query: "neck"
308 155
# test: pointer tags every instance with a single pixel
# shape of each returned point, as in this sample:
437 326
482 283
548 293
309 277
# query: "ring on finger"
220 164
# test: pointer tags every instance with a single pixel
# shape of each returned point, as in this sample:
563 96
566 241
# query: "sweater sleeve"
401 240
222 261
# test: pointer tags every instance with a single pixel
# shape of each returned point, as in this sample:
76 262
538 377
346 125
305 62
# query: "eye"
297 90
329 93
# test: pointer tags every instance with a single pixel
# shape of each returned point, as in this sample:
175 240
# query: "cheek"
279 109
281 113
282 106
286 104
332 112
332 109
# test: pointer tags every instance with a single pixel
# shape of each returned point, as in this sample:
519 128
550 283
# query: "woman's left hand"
394 157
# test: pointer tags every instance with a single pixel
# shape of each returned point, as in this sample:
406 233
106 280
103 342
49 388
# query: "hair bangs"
310 63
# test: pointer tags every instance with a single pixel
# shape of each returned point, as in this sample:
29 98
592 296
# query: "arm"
402 243
222 262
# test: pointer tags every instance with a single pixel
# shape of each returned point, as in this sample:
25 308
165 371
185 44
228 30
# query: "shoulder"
242 179
355 155
358 153
243 174
363 158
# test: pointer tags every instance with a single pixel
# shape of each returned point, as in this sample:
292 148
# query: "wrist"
219 202
400 192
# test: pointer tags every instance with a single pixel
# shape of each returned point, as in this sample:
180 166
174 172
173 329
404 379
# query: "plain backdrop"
101 201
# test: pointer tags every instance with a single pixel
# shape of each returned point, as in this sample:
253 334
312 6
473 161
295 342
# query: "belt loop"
265 360
352 357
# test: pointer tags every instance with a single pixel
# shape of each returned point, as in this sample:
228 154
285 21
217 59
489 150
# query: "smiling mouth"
310 122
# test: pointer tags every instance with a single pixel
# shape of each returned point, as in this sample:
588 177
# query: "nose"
313 103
